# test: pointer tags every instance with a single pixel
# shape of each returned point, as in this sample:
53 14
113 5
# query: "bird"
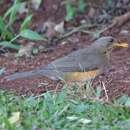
80 65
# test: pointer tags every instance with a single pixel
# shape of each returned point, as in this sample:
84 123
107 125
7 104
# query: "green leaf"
7 35
2 70
49 101
81 5
11 12
35 51
109 3
1 1
29 34
81 108
122 100
98 91
9 45
127 102
2 24
61 96
15 6
70 11
26 22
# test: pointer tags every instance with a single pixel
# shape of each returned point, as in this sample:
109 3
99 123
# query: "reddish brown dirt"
117 82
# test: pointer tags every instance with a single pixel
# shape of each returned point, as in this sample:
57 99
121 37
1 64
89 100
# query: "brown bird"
79 65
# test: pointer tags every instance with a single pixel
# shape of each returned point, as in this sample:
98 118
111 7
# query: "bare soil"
117 82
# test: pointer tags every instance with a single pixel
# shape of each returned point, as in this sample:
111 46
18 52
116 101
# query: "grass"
73 8
59 111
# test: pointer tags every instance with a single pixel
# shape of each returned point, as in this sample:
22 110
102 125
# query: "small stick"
106 95
77 29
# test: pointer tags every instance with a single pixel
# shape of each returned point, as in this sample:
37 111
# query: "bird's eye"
111 40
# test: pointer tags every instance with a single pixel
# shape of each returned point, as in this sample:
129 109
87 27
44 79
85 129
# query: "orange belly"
80 76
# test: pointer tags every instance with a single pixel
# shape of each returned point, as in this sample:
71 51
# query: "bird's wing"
83 59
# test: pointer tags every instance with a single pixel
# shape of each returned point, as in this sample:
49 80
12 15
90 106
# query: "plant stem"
13 39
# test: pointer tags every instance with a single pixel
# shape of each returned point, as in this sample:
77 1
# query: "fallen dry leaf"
36 4
49 28
26 50
59 28
14 118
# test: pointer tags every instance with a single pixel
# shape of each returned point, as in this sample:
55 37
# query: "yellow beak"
121 45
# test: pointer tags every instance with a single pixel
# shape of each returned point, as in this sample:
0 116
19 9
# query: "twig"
82 29
57 86
106 95
77 29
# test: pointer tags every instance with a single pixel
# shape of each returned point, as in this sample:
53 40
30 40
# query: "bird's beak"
121 45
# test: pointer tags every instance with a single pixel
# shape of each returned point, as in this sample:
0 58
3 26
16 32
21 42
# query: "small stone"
83 21
26 50
43 84
124 32
60 28
64 43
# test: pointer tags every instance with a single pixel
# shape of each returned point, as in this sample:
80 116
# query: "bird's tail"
19 75
38 72
47 72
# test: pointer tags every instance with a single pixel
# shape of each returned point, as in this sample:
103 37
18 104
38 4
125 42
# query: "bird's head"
107 44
